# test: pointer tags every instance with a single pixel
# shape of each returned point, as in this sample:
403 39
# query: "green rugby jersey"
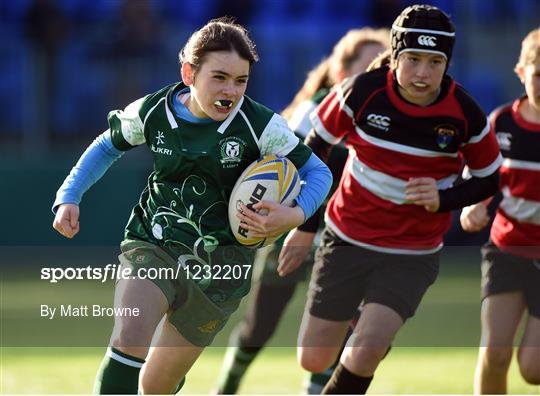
183 208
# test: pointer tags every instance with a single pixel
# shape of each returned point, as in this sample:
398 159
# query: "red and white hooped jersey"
391 141
516 228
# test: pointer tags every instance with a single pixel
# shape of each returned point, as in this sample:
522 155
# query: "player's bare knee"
529 366
316 360
314 364
364 351
363 359
151 386
131 337
369 342
498 358
531 374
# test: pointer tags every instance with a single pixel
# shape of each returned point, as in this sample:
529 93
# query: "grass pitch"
435 353
406 370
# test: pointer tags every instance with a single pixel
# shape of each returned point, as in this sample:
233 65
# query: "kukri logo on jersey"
159 140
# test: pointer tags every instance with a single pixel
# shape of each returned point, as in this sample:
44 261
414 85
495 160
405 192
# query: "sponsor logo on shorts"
209 327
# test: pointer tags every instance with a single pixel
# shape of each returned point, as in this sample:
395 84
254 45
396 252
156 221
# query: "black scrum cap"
423 28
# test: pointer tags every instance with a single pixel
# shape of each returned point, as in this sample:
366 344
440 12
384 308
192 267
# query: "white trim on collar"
231 116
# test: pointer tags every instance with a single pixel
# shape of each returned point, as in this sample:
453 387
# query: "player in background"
409 128
271 293
202 132
511 257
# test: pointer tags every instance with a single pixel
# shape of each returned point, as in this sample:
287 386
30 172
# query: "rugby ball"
270 178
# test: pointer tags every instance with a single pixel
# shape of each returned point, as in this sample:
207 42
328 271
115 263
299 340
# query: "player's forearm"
471 191
92 165
295 218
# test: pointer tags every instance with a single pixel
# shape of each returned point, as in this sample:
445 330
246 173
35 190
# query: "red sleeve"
334 118
481 152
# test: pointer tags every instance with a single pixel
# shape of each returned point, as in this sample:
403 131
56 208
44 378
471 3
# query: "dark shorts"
503 272
345 275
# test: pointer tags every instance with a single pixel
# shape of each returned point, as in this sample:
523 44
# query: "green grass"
434 353
405 370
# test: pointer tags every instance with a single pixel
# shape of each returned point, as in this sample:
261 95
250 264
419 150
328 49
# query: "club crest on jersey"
445 134
231 150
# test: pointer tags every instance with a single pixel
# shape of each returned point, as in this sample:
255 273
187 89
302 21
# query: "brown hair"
345 52
383 59
221 34
530 49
